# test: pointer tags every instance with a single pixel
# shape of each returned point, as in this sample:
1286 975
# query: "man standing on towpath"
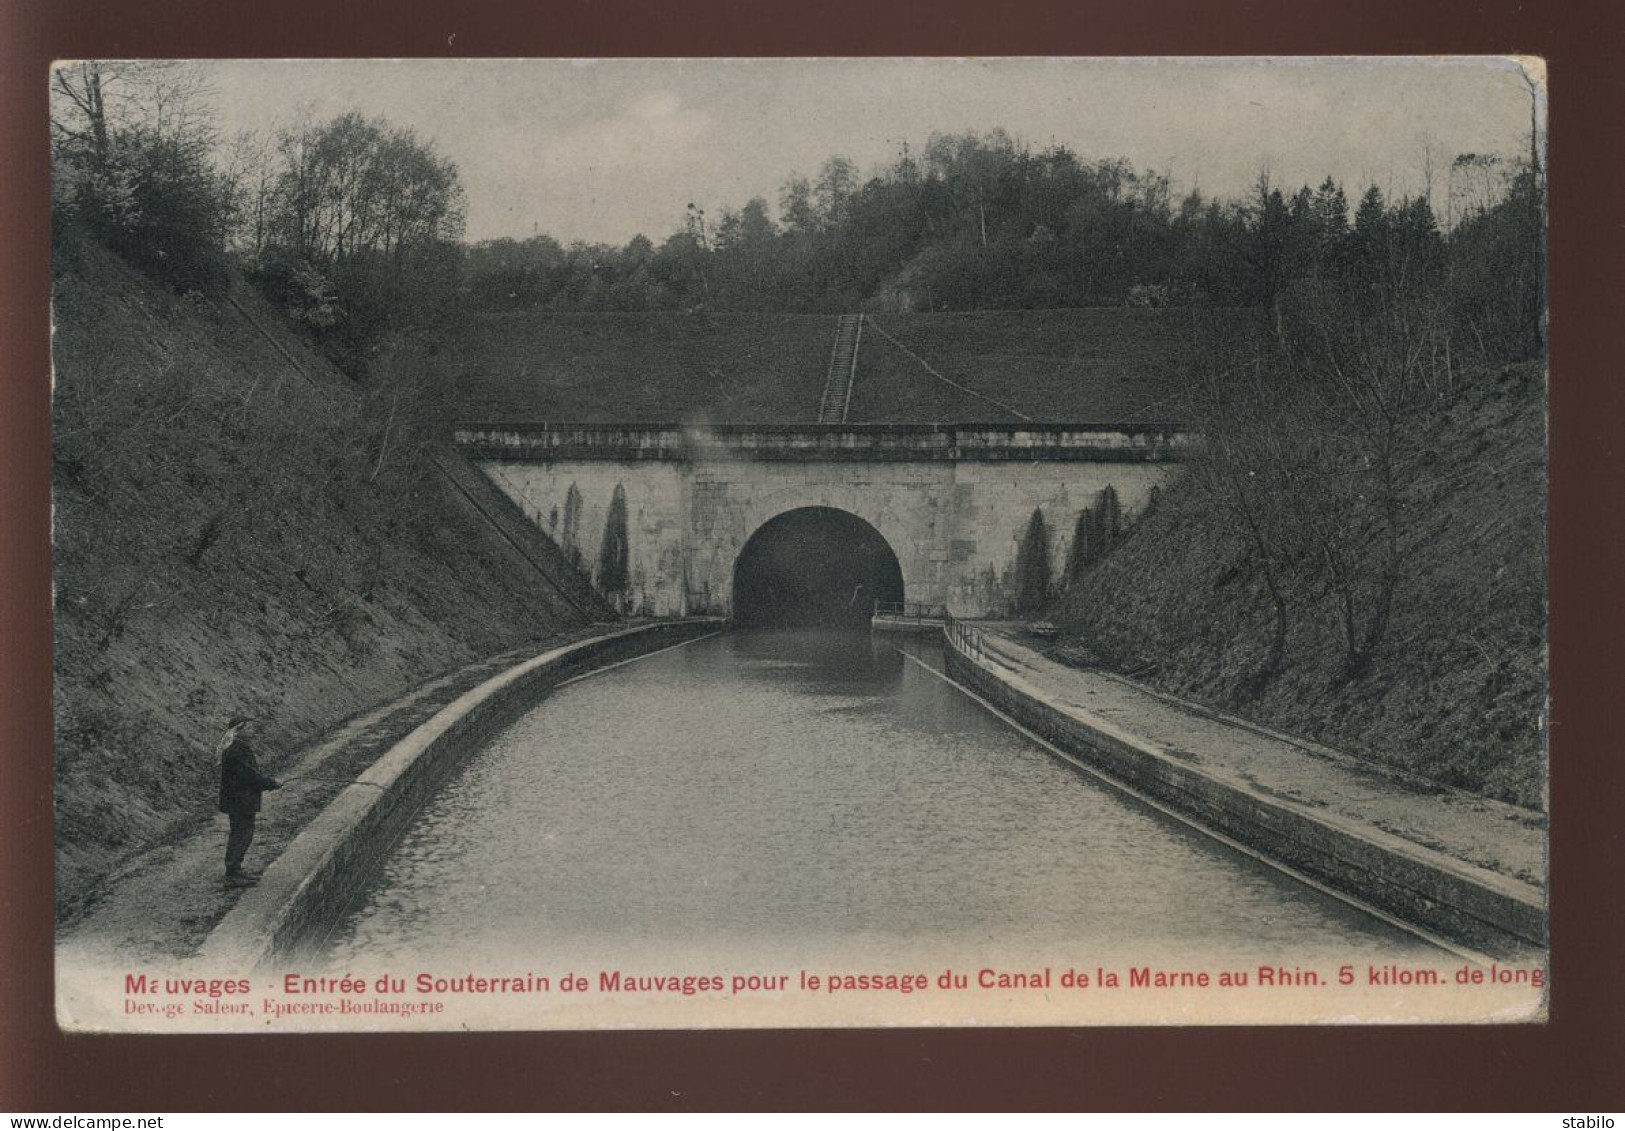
241 784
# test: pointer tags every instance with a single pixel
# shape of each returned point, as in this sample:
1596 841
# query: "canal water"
795 798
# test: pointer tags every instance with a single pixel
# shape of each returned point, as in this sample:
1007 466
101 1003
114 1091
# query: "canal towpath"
1501 845
163 902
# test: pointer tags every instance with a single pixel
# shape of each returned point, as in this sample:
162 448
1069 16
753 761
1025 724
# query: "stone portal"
951 503
814 566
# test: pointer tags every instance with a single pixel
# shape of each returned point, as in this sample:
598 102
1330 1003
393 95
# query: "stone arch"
814 566
860 502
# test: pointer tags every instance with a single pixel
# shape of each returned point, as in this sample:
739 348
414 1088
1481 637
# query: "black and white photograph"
549 544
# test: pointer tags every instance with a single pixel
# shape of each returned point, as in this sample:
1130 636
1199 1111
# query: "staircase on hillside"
843 367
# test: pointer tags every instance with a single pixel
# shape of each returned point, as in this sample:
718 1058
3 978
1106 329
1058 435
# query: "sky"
603 150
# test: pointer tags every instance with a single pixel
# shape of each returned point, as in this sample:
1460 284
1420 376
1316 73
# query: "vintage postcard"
702 543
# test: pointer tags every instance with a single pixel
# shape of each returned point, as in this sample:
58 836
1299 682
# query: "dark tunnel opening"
814 567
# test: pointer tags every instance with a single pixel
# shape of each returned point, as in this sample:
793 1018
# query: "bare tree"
1245 467
92 101
79 108
249 173
356 186
1430 163
1354 386
133 164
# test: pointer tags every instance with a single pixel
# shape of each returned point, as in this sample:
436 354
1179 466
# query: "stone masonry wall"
955 526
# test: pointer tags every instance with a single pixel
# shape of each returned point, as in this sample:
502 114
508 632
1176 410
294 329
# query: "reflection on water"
812 795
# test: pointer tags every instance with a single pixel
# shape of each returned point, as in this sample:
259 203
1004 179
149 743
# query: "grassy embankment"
1099 364
646 368
231 535
1457 692
1105 364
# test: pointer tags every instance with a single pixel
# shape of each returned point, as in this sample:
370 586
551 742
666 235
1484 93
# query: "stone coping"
303 891
857 428
827 442
1473 905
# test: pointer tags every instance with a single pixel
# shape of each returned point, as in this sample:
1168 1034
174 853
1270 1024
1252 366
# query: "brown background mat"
1572 1063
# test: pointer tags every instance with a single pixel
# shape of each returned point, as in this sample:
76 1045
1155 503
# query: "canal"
801 797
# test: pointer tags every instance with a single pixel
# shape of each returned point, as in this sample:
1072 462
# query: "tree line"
982 222
352 224
1311 406
355 226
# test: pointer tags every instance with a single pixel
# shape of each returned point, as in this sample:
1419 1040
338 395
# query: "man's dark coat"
241 782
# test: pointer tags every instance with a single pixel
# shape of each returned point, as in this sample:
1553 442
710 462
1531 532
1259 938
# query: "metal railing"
912 610
907 616
962 637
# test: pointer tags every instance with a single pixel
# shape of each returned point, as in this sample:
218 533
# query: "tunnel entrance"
815 566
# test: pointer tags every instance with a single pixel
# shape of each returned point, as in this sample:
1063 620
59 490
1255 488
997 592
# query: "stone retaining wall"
309 887
1471 905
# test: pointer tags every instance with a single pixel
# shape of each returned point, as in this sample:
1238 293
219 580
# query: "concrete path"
1462 826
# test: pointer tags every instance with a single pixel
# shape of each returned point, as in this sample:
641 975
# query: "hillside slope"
727 368
1101 364
234 536
1457 691
1096 364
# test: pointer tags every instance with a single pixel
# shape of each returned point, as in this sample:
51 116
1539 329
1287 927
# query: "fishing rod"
339 781
225 743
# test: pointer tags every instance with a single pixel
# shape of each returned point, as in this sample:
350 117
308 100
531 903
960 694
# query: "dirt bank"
1458 690
239 528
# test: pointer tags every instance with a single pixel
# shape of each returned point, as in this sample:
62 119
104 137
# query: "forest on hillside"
982 222
354 226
